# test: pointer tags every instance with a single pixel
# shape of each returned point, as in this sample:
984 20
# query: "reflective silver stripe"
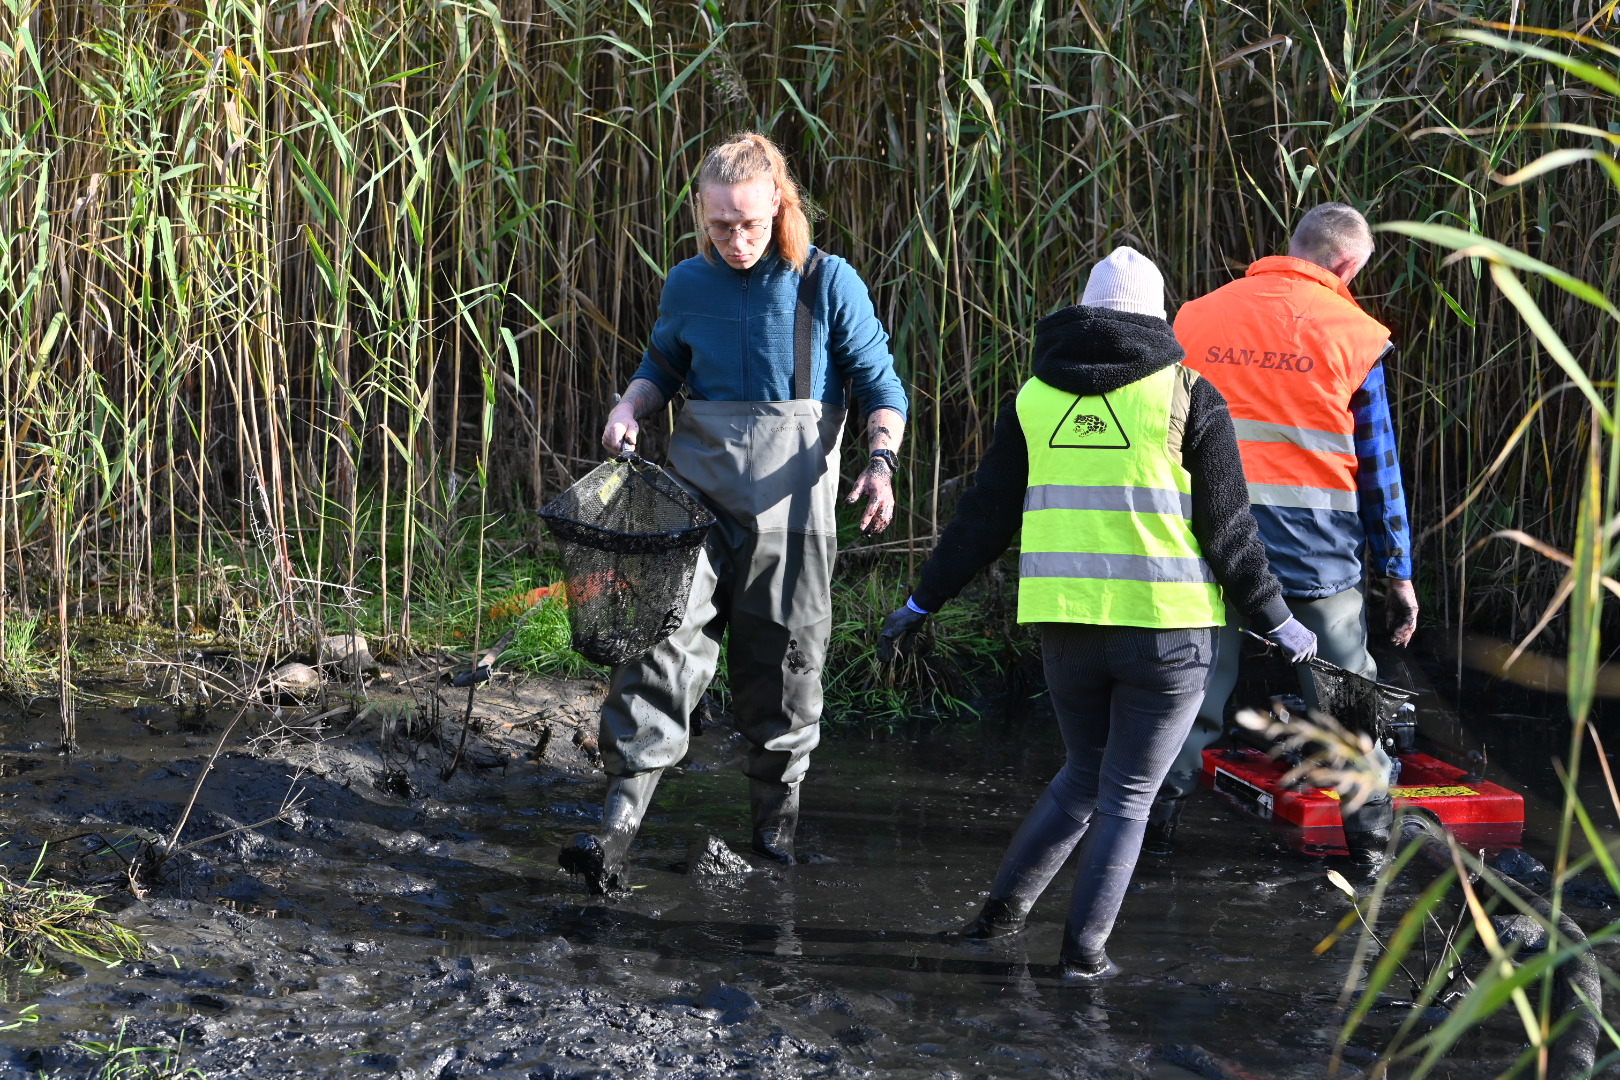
1303 498
1151 568
1323 442
1081 497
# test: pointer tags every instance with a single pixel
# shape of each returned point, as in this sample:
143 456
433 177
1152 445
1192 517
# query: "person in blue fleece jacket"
763 332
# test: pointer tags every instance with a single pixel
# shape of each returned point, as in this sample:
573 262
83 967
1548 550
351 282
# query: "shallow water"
431 938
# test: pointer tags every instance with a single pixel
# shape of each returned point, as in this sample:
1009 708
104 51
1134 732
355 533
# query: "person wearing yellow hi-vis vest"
1121 468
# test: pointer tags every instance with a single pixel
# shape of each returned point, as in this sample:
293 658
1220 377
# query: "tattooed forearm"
884 429
642 397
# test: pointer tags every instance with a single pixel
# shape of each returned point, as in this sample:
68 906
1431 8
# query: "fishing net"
1355 701
629 537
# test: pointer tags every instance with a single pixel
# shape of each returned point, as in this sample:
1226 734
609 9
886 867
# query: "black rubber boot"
1084 970
1162 823
1366 834
776 817
1107 859
600 857
1042 843
998 918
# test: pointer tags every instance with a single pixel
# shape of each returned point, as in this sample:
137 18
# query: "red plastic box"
1478 812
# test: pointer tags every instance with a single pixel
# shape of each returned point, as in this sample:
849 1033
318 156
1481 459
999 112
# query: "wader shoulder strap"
804 326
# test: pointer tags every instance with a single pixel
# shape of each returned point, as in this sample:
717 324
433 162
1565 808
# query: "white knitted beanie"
1126 281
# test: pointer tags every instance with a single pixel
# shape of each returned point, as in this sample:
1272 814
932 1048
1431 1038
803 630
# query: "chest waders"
769 472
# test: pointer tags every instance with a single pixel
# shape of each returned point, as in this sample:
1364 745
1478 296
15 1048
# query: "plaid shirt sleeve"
1378 478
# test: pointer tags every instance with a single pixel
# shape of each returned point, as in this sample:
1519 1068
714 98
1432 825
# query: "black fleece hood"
1094 350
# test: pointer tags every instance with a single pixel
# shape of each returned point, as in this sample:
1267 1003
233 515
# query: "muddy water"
432 936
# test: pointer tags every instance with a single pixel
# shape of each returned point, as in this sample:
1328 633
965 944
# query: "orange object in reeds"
585 589
518 603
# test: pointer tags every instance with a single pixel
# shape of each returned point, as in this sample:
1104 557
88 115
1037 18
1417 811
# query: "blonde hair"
748 156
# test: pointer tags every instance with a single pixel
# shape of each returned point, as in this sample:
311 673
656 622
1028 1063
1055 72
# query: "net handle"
1332 669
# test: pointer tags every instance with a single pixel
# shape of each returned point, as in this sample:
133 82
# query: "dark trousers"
1125 698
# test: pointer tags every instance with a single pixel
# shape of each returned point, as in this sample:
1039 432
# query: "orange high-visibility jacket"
1287 345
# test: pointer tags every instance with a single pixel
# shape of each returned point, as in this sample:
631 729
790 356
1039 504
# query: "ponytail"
749 156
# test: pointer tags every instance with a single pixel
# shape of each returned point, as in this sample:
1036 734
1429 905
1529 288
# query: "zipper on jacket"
742 335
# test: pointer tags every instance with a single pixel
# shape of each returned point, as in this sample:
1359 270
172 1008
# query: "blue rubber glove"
1295 640
897 631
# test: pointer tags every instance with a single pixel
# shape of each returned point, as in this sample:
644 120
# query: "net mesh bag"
1357 702
629 537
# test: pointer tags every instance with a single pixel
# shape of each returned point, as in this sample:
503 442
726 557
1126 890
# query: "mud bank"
397 924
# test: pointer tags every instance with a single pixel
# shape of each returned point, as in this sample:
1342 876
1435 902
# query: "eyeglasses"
747 232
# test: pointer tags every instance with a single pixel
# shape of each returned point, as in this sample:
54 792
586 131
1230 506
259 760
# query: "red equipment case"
1478 812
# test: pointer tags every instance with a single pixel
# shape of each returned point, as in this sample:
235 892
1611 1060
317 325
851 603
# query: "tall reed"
288 291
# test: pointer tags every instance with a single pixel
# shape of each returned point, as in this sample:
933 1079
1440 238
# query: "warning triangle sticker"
1090 424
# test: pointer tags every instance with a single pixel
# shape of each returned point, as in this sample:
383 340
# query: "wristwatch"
888 459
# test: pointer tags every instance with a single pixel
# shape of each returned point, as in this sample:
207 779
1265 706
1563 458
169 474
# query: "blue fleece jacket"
728 334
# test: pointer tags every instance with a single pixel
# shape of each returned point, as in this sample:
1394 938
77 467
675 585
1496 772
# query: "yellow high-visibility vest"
1108 514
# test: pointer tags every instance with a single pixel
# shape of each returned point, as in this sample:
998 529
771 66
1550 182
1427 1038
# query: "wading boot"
1107 859
1039 847
1366 834
1162 823
600 857
776 816
1000 916
1082 968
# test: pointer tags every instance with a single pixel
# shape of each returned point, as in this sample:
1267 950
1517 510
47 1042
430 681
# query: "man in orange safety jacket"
1299 363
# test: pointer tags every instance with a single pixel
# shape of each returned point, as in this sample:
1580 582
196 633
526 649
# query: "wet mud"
398 924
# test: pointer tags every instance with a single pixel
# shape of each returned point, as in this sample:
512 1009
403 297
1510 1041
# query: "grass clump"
24 667
543 643
964 650
969 647
39 918
115 1061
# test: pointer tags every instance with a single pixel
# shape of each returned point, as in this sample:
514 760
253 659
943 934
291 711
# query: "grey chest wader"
769 471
